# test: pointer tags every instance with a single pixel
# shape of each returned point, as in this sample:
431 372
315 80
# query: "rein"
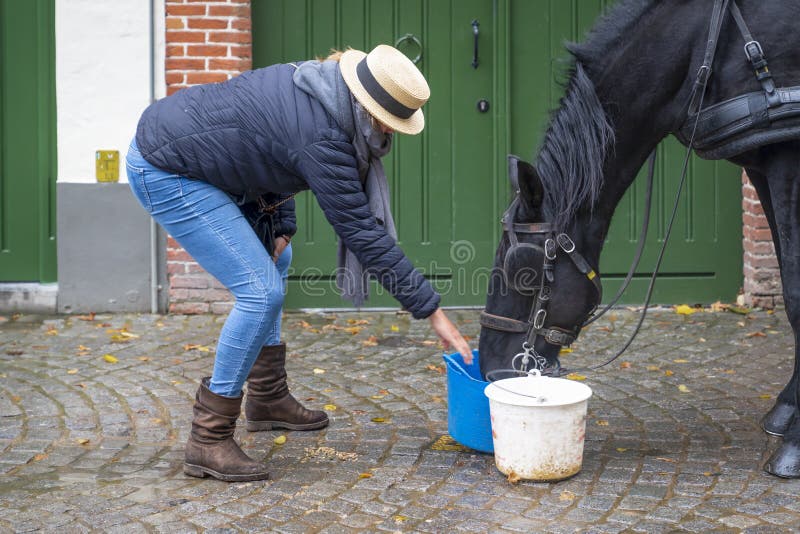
535 325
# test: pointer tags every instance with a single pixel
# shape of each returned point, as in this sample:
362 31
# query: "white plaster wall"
103 78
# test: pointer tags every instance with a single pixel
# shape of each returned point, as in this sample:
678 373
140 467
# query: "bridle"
556 243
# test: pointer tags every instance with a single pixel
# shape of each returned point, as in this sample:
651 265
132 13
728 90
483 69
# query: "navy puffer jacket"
258 133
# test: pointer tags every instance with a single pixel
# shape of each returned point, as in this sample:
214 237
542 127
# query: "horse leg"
778 419
779 164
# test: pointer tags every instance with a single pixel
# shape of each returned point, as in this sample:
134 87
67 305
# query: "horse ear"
530 185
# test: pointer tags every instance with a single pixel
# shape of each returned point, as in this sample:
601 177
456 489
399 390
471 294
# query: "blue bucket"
467 407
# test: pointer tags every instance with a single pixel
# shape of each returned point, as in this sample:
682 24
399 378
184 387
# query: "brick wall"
207 41
762 282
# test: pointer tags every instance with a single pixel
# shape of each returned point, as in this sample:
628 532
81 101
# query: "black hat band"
379 94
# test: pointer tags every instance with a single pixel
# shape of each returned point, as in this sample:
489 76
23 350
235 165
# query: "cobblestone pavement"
94 412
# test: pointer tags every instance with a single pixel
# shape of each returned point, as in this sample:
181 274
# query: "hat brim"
347 64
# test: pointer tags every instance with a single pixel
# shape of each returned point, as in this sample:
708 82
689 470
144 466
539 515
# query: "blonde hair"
334 55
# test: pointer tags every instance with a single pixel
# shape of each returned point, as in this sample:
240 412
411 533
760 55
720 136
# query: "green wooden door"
443 181
449 184
27 141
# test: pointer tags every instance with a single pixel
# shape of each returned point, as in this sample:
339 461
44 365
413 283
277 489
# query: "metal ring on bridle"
550 249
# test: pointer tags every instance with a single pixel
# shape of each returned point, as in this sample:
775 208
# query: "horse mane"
579 136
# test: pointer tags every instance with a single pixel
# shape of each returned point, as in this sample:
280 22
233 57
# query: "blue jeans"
209 225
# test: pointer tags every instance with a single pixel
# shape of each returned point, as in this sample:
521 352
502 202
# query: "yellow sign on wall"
107 165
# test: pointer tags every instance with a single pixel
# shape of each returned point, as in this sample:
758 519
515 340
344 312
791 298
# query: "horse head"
534 266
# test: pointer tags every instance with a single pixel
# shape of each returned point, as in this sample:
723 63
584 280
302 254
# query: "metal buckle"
759 50
550 249
703 74
567 244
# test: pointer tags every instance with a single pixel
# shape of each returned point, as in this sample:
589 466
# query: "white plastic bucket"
538 426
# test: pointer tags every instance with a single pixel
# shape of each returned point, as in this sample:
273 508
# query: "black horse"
636 79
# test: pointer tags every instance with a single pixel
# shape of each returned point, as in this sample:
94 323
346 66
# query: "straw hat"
388 85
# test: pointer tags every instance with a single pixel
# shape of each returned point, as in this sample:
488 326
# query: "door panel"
27 141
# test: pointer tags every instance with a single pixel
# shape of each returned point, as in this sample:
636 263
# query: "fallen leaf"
740 310
280 440
400 518
668 373
653 368
329 407
765 396
602 422
176 382
51 331
318 371
81 441
681 360
378 420
565 350
377 397
89 317
144 358
718 307
72 371
365 475
741 324
625 365
702 340
670 460
110 358
683 309
756 334
683 389
199 348
303 324
394 328
566 496
353 330
157 421
39 457
430 342
437 368
357 321
384 392
621 449
513 478
576 376
371 341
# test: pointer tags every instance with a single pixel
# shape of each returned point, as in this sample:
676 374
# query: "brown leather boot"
269 404
211 449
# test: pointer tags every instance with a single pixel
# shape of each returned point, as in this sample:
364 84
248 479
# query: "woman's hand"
450 335
278 245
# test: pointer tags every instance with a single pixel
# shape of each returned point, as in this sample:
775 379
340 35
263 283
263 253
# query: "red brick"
242 24
184 64
194 268
761 248
240 65
193 78
755 221
189 282
178 294
757 234
176 268
207 50
174 77
763 262
242 11
241 51
183 10
175 50
189 308
220 308
174 23
178 255
230 37
207 24
186 37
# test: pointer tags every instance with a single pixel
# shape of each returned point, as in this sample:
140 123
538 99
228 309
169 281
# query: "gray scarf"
323 81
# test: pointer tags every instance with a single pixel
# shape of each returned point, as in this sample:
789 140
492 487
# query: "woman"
267 134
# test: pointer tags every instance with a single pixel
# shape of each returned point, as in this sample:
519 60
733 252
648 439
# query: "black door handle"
475 32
